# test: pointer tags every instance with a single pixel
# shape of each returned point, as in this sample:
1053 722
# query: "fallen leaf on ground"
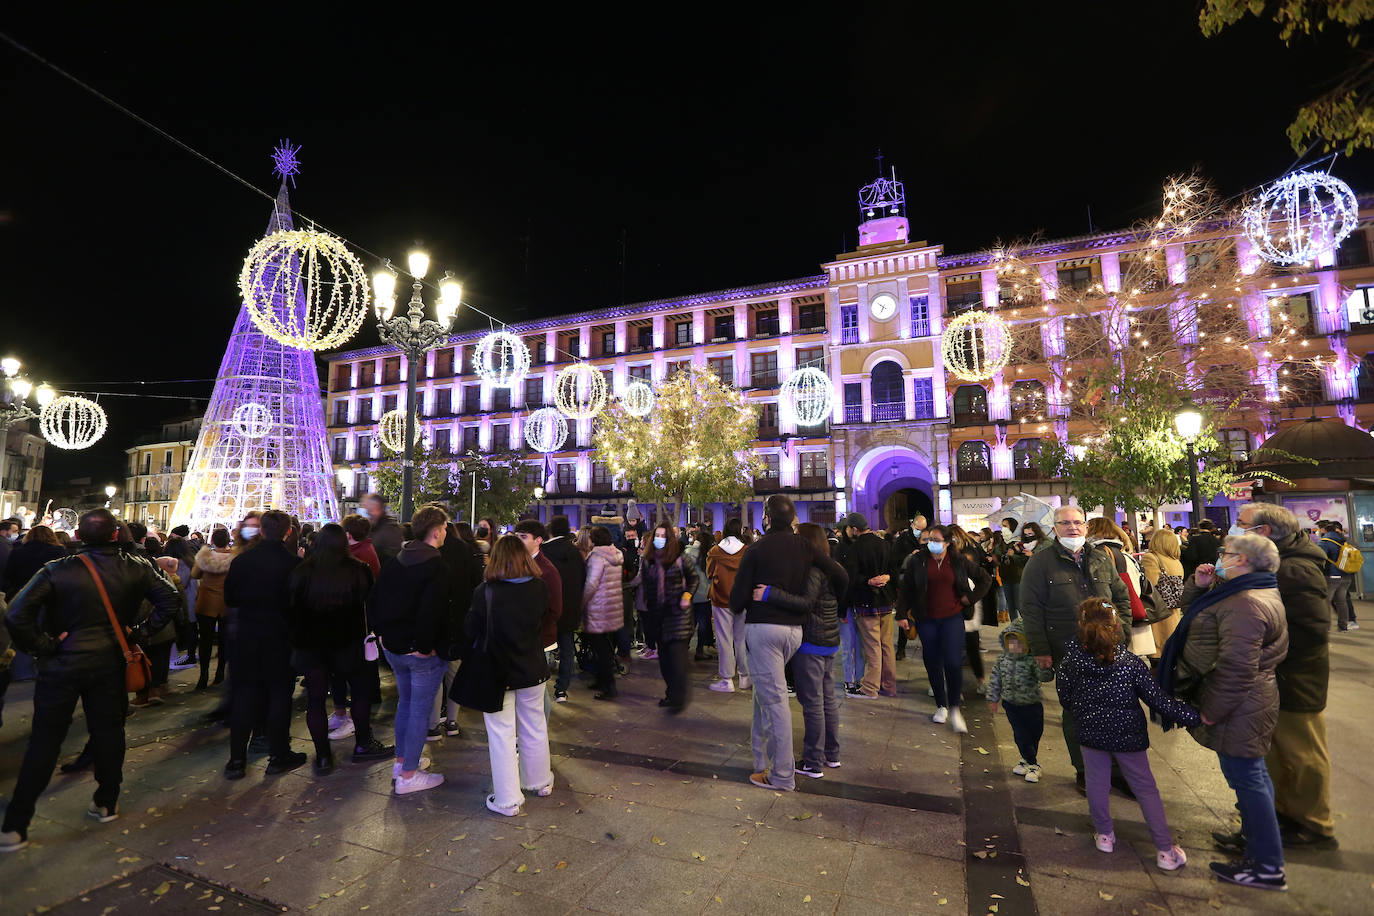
942 901
1022 881
561 865
123 859
1105 896
698 856
658 842
527 845
800 817
981 750
980 854
162 888
461 836
522 869
806 899
1214 903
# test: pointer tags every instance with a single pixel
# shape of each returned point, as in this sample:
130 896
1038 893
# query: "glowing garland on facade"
253 420
579 391
976 345
1301 216
391 429
638 399
304 289
546 430
72 422
502 359
811 396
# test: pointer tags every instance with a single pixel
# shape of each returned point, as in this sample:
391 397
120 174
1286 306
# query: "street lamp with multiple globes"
13 404
1188 422
414 335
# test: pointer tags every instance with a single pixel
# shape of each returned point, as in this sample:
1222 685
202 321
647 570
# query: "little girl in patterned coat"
1103 683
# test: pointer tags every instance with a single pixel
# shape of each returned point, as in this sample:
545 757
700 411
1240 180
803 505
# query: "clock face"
883 306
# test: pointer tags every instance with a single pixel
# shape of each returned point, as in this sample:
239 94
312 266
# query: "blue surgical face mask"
936 547
249 532
660 543
1236 530
1220 571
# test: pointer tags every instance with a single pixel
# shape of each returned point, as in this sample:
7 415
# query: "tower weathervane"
284 161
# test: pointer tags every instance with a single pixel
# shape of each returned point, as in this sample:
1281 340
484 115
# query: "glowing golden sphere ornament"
976 345
304 289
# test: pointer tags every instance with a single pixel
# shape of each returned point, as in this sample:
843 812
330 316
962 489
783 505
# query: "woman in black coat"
327 623
668 580
38 547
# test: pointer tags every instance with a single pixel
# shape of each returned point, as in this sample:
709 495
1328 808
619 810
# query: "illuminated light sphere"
253 420
72 422
546 430
391 429
976 345
811 395
638 399
502 359
579 391
1301 216
304 289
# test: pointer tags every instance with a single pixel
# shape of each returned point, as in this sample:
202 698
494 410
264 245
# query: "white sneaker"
956 721
941 716
1020 768
418 783
396 767
744 682
1032 772
1171 859
340 731
512 811
724 685
1106 842
338 720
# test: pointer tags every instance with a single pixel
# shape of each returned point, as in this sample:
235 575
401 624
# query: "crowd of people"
1226 636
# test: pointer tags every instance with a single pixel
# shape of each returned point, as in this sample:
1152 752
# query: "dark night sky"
726 144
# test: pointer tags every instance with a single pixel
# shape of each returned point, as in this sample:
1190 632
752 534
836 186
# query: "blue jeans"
942 650
567 660
1249 778
1008 596
852 657
417 680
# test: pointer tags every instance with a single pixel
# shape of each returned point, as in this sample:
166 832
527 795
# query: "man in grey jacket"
1055 581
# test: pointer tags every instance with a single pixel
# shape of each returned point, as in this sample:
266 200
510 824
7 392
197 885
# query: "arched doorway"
892 483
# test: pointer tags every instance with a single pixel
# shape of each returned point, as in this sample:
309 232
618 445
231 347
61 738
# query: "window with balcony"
643 373
361 484
962 295
974 461
1027 401
1075 278
472 399
723 328
768 420
849 324
885 392
567 477
533 474
644 337
367 374
766 323
391 370
763 369
814 470
343 376
1236 443
607 343
541 353
769 474
1145 271
1354 251
340 449
1359 307
923 397
920 316
810 317
970 405
390 402
443 444
1300 384
723 367
364 452
811 357
340 413
472 438
500 398
443 363
601 477
853 402
500 437
673 366
1293 311
534 391
682 333
1025 460
443 402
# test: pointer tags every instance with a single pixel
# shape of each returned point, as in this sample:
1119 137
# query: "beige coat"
210 568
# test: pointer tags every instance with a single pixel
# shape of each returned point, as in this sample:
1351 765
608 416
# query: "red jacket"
363 550
548 627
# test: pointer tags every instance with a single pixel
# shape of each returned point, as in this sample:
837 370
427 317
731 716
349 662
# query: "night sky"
723 146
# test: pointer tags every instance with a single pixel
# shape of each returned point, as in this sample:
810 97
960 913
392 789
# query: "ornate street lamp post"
1188 422
414 335
13 406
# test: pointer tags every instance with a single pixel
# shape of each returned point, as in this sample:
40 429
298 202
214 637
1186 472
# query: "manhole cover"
165 889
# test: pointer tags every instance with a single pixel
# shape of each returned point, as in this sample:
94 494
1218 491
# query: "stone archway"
892 479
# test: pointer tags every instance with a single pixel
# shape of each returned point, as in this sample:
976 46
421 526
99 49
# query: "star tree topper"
284 161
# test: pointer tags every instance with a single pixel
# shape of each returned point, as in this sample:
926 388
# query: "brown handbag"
138 672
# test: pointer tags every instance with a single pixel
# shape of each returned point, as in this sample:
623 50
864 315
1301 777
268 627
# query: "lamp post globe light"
14 408
414 335
1188 423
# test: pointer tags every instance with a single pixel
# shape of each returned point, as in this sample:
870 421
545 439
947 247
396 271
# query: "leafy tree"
503 490
693 449
430 478
1343 116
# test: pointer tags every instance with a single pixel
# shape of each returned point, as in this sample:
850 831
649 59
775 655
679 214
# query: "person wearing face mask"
1057 579
670 577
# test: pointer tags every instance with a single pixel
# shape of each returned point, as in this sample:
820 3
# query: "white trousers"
518 742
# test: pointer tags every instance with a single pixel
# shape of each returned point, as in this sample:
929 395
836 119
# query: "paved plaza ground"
654 814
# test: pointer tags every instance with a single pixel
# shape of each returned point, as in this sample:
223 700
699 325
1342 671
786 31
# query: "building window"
534 474
442 443
682 333
1354 251
1236 442
500 398
391 370
763 369
962 295
343 376
364 452
811 317
673 366
723 367
601 477
920 316
541 352
340 413
471 438
534 391
443 363
1027 401
974 461
1025 460
813 357
567 477
500 437
768 420
885 392
770 473
607 343
367 374
1359 306
644 337
1294 310
360 483
574 345
766 323
443 402
340 449
390 402
923 398
970 404
642 373
1077 278
853 402
472 399
849 324
1300 384
815 470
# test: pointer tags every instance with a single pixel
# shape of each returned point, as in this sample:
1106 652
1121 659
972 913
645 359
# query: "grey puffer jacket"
603 600
1227 668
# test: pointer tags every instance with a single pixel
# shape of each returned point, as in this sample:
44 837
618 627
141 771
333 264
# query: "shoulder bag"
138 673
480 683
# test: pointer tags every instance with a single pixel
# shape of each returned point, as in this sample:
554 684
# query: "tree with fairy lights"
692 449
503 483
431 476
